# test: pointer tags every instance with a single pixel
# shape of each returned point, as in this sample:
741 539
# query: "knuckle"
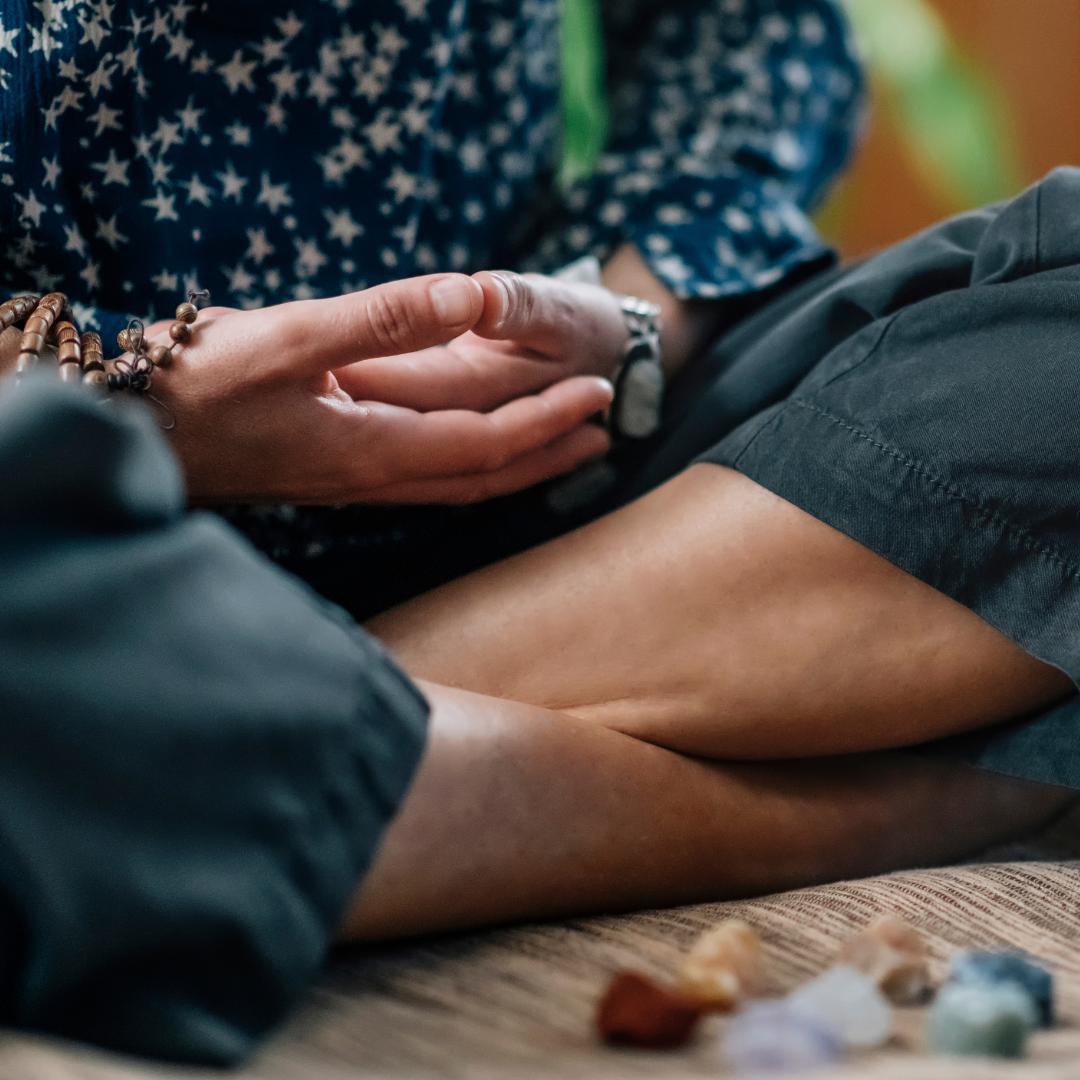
392 321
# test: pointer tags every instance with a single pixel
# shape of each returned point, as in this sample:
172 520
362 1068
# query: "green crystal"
987 1019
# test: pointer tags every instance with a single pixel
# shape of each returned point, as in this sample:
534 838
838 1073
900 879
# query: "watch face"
639 396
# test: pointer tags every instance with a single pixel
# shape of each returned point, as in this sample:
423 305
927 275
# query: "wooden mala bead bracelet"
135 374
48 320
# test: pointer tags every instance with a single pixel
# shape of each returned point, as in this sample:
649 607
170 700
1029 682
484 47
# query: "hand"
532 332
267 408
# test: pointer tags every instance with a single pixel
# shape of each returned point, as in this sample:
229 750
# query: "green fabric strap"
584 97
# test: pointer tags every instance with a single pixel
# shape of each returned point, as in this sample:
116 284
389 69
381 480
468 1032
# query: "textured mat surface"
518 1003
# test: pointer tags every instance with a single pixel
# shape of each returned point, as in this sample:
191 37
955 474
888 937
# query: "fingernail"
452 300
504 299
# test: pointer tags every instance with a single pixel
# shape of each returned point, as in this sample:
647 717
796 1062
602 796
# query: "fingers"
461 443
576 447
414 447
554 318
470 373
314 336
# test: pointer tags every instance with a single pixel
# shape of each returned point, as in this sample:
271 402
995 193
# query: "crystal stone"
725 965
992 1019
848 1002
1000 967
775 1037
893 954
636 1011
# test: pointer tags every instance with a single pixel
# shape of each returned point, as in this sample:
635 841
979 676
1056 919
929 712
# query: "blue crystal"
777 1037
972 968
993 1019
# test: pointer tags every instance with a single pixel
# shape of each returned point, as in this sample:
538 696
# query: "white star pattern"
114 171
259 248
105 119
166 282
407 136
238 134
232 184
164 206
7 39
197 191
237 73
52 169
273 196
342 226
30 209
107 231
74 240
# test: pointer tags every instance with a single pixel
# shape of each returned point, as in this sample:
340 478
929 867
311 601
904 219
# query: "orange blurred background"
1029 53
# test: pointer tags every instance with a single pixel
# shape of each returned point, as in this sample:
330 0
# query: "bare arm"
521 813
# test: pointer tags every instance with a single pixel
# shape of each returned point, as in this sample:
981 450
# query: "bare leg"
521 813
714 618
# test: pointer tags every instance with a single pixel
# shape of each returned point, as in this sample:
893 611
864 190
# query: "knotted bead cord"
48 320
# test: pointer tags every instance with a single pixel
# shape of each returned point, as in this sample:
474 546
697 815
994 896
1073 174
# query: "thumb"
554 318
386 320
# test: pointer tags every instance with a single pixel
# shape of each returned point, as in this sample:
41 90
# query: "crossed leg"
736 635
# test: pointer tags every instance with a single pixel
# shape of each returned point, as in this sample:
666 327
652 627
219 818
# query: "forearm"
688 327
522 813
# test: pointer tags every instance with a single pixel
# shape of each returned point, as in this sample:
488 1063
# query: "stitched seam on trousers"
1028 541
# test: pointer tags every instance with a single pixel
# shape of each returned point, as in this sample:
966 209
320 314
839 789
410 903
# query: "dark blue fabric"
284 149
197 754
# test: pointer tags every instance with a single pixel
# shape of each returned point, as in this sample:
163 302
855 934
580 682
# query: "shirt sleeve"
729 118
198 755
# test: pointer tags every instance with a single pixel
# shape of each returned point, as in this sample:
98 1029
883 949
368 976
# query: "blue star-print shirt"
278 149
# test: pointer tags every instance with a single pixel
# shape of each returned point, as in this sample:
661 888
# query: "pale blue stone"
993 1019
777 1037
998 967
849 1003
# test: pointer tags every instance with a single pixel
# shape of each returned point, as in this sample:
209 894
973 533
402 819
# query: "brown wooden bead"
16 309
25 362
187 313
70 352
180 333
32 343
70 372
55 300
96 377
92 352
36 325
122 340
66 332
161 356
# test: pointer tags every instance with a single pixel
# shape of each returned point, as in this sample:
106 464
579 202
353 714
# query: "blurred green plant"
584 97
952 123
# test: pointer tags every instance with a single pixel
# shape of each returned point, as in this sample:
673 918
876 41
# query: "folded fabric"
197 754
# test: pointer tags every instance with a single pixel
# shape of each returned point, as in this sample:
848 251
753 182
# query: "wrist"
688 325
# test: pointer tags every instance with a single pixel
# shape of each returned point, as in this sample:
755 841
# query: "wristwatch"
639 377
